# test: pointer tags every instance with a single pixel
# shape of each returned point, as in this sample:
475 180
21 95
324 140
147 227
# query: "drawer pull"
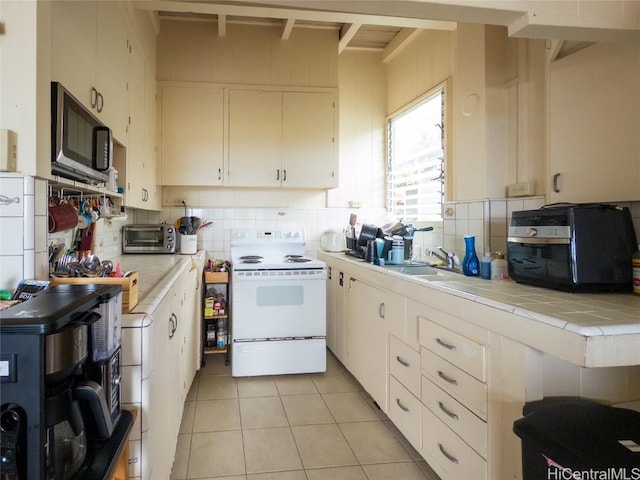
402 407
446 378
449 457
402 362
447 411
446 345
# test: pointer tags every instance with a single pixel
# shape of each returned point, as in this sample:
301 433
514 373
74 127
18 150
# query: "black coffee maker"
56 367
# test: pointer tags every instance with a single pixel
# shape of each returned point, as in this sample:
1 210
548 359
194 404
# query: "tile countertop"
156 275
610 319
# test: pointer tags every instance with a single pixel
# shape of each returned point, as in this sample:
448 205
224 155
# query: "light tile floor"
289 427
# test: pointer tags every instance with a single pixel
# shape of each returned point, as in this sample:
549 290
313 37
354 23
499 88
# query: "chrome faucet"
449 258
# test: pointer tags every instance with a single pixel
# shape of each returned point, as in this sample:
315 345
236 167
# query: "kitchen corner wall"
23 229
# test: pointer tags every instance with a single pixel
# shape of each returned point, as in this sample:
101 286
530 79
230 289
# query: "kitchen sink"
424 271
413 269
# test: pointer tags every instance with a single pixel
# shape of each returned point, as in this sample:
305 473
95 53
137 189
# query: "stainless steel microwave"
82 147
158 238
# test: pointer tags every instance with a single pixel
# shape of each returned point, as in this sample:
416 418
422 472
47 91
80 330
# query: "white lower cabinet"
455 381
431 367
404 411
404 364
366 345
447 453
456 416
159 363
454 395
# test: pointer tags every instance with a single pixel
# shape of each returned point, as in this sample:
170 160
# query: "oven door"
282 304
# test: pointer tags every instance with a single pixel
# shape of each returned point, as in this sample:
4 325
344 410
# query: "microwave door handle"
102 136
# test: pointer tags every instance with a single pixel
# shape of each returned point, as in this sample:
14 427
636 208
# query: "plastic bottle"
470 264
499 270
485 266
636 271
113 179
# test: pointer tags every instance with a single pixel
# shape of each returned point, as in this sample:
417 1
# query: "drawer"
456 416
404 411
467 354
442 448
468 390
404 364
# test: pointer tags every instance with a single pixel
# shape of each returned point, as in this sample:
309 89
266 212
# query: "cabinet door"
136 153
73 47
595 153
140 174
255 138
192 136
112 68
367 346
309 146
89 50
189 340
153 192
159 405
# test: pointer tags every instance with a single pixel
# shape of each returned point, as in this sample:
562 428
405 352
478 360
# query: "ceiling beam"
554 47
347 32
287 28
222 24
398 43
287 13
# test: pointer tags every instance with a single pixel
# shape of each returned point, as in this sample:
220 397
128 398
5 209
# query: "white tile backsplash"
12 240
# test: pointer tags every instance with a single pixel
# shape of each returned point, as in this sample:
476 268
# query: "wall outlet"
8 150
521 189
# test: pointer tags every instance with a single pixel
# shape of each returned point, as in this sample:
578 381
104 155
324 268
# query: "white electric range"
278 304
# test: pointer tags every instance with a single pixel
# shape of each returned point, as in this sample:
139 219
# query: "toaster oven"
158 238
573 247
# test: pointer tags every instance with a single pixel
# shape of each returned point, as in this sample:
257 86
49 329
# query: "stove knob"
532 232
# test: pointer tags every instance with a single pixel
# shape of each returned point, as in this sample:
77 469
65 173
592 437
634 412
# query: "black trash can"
578 439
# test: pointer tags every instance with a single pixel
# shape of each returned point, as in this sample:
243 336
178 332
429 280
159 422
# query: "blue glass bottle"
470 264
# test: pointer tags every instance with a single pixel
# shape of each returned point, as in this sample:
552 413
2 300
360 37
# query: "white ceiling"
387 33
389 25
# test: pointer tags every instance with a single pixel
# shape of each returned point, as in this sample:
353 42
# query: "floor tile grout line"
382 418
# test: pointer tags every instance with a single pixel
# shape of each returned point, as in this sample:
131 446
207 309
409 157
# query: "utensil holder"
188 244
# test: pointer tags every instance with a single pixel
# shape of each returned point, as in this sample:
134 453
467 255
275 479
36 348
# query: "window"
415 156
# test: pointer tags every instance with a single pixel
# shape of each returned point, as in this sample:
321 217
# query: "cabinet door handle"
447 411
284 175
219 174
172 329
448 456
446 378
99 102
278 174
381 310
328 273
446 345
341 279
402 407
402 362
94 97
556 187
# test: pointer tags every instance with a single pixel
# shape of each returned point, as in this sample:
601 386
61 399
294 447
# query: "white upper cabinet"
90 57
140 175
594 123
255 138
282 139
192 135
309 143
